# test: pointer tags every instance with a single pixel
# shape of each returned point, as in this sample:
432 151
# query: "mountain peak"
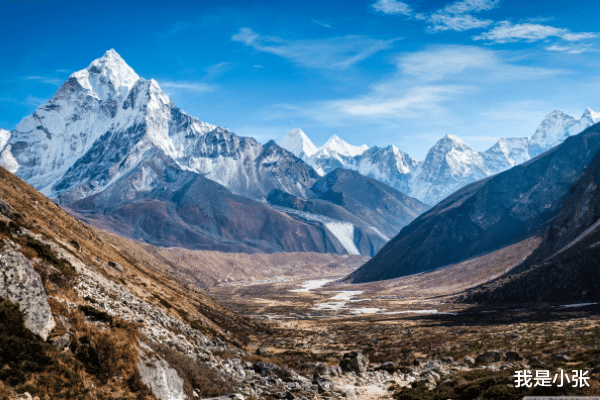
449 142
298 143
594 116
336 144
110 69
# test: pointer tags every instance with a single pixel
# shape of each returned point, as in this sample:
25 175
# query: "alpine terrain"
113 148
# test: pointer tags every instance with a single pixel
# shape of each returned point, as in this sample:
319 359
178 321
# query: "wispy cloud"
506 32
571 49
29 101
43 79
392 7
411 103
459 16
191 86
469 6
443 22
467 64
321 23
425 84
337 53
218 69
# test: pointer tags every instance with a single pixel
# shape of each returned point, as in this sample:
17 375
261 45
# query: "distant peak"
588 113
338 145
452 138
297 132
556 112
298 143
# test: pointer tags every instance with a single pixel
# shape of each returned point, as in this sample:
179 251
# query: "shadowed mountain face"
487 214
181 208
371 201
565 266
373 212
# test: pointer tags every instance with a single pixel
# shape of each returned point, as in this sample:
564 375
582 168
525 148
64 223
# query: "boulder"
354 362
21 284
6 209
512 355
489 357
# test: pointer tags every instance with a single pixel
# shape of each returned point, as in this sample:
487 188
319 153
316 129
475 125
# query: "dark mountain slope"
161 204
487 214
371 201
565 267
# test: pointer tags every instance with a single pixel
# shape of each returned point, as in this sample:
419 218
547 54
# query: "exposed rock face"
159 377
21 284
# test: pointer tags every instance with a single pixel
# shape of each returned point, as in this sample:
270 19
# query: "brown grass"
195 374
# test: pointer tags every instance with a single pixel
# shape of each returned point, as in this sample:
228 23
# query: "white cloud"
183 85
321 23
469 6
392 7
413 103
458 16
506 32
577 49
218 69
334 53
426 84
463 22
467 63
43 79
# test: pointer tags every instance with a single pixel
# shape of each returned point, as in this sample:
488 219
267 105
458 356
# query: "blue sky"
373 72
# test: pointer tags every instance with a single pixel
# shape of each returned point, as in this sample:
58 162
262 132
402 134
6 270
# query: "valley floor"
417 337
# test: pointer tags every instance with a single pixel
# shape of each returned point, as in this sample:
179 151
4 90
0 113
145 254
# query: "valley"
146 254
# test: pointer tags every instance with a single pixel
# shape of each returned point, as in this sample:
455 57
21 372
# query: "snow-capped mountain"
507 153
297 143
451 163
4 136
556 127
335 153
114 149
107 113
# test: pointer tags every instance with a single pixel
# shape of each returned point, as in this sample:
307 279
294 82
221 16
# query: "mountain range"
448 166
114 149
490 213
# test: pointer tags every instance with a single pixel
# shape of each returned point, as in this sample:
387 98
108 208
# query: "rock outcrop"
159 376
21 284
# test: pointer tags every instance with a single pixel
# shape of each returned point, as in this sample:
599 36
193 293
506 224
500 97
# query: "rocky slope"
98 323
487 214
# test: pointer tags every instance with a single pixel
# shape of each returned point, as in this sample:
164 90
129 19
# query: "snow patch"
311 285
344 232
